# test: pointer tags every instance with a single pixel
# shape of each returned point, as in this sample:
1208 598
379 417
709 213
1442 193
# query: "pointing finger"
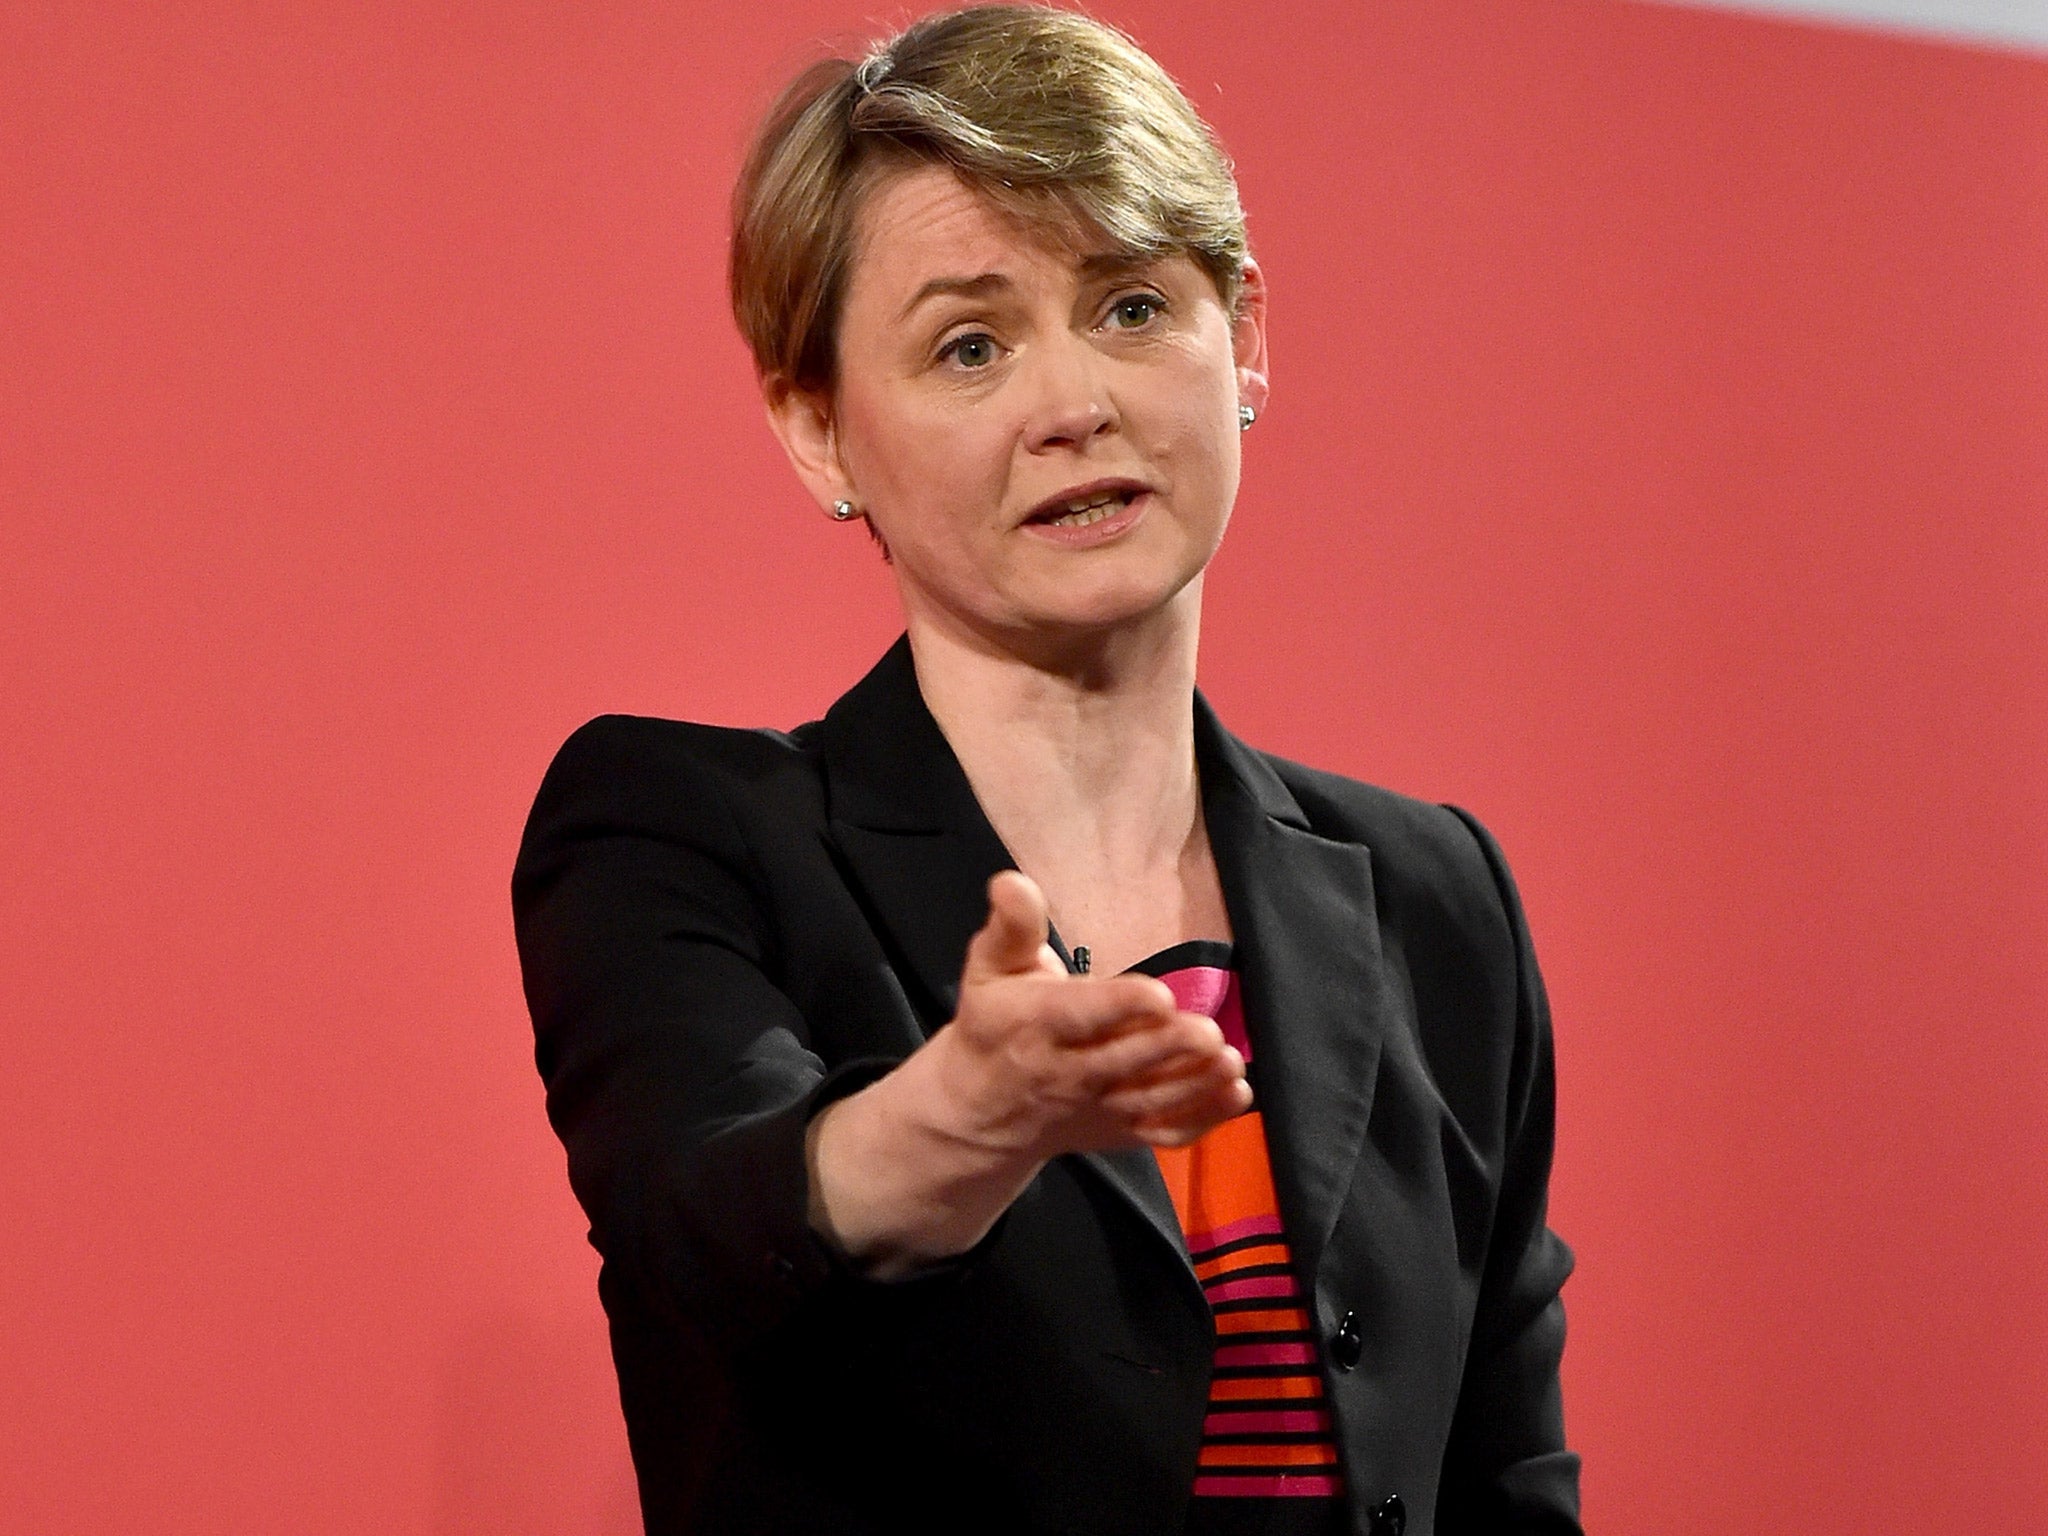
1009 942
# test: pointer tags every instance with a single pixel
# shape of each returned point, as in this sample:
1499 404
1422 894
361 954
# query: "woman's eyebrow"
1100 266
967 287
1117 264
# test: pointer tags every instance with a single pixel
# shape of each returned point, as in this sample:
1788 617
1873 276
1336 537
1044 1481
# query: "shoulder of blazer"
641 773
708 788
1431 863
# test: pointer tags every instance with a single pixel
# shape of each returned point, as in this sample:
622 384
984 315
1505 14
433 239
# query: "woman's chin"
1105 606
1073 601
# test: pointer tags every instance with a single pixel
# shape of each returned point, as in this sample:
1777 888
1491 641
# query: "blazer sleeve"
679 1077
1507 1469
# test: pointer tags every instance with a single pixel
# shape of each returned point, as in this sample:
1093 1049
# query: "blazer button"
1347 1344
1389 1516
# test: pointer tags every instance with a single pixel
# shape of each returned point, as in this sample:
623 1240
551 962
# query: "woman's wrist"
896 1179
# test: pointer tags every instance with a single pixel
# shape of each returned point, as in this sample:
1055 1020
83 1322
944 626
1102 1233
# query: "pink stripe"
1200 1243
1258 1285
1198 988
1276 1421
1265 1354
1320 1485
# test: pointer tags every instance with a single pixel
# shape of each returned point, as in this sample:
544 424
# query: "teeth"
1093 509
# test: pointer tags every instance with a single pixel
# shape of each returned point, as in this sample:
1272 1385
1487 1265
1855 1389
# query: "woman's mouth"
1086 509
1090 517
1092 509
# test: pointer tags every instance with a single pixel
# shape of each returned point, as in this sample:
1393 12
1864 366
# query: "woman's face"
1046 437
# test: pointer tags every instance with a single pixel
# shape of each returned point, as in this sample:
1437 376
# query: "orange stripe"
1223 1177
1232 1388
1290 1318
1268 1455
1274 1252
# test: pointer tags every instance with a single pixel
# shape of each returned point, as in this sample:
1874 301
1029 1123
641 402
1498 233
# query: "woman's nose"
1071 402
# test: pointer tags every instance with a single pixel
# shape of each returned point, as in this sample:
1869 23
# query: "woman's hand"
1041 1062
917 1166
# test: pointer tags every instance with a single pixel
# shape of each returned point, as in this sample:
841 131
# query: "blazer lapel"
908 829
1307 942
920 852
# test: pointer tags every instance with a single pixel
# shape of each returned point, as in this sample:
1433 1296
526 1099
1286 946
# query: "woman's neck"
1084 760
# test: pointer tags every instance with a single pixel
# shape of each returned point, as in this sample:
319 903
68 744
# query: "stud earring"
1245 417
843 511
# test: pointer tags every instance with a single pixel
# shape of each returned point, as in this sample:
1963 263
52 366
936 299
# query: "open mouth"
1083 510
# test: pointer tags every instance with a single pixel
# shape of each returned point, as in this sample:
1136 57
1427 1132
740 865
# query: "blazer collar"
888 766
921 852
906 821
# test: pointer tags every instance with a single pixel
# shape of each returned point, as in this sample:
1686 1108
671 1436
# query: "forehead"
924 223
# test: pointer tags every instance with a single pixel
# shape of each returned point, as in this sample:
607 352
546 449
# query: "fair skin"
993 378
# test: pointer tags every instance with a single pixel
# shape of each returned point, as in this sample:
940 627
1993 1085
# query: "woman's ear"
803 423
1248 338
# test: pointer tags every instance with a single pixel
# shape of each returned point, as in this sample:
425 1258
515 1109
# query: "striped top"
1267 1437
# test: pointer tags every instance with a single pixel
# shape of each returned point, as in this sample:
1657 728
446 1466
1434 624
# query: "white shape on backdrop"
2012 23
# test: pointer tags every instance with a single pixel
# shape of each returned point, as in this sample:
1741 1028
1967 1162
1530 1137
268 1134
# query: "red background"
1657 465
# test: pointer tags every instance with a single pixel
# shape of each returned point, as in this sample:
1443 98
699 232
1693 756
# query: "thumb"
1010 941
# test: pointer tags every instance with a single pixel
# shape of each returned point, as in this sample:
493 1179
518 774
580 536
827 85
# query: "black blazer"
723 930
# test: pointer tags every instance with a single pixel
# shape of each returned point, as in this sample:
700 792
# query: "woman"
1011 1103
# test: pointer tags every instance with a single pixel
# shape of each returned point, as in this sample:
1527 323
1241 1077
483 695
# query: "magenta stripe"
1265 1354
1230 1019
1258 1285
1198 988
1200 1243
1319 1485
1274 1421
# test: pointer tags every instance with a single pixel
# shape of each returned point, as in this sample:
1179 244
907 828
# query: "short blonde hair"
1057 118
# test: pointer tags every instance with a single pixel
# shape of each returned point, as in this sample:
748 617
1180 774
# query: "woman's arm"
1508 1468
679 1077
684 1082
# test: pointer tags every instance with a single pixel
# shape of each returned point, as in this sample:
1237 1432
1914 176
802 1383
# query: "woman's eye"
1130 313
971 351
